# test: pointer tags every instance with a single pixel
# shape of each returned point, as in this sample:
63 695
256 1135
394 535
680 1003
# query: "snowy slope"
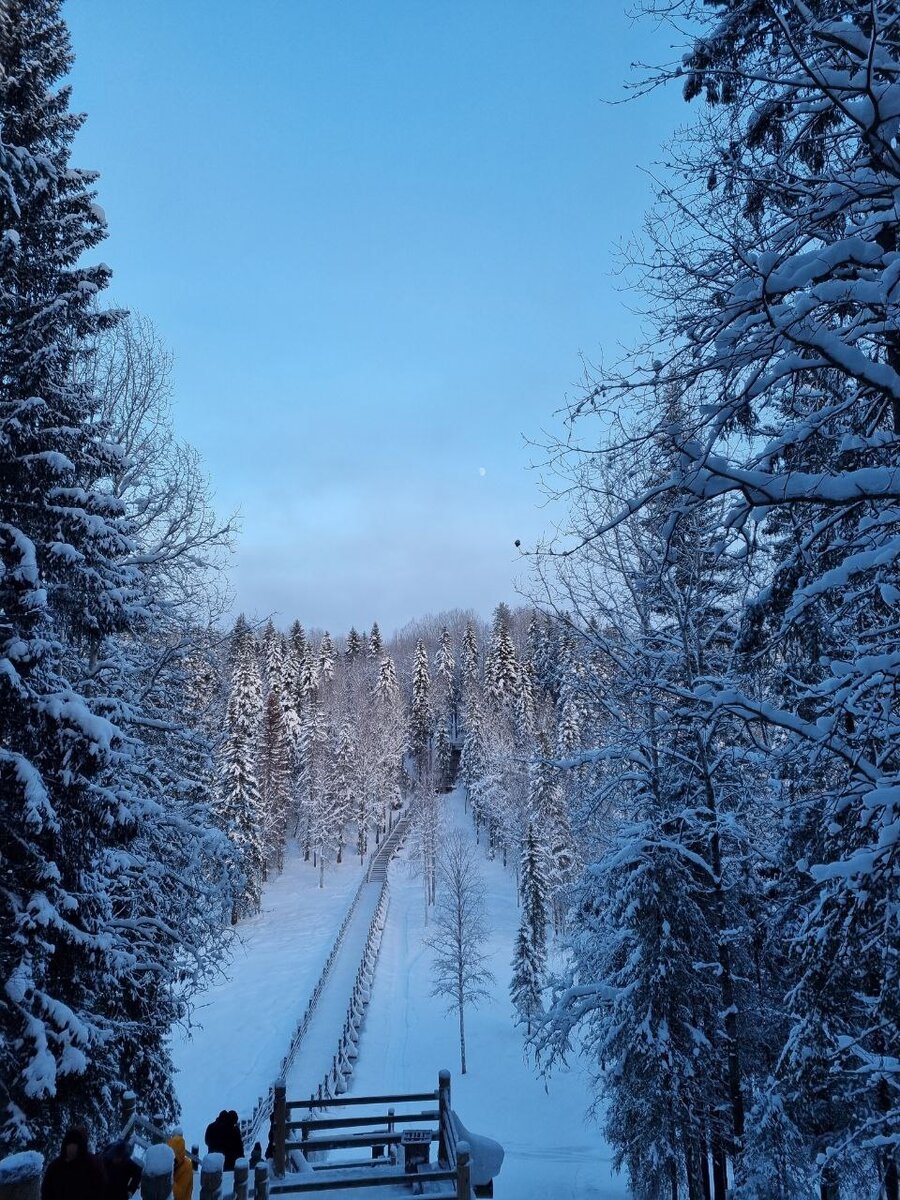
248 1018
246 1021
408 1037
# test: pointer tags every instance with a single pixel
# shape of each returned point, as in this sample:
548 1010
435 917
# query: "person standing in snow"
75 1173
123 1175
234 1143
183 1179
216 1136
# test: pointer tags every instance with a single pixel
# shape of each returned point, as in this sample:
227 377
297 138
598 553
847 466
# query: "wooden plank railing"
381 1127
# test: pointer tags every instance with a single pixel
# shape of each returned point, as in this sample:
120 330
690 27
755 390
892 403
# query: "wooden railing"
338 1131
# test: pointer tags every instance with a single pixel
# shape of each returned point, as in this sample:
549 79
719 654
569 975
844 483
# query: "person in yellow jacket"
183 1182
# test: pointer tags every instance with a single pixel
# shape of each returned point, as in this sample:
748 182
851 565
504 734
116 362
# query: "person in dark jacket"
234 1142
75 1174
255 1154
123 1175
216 1136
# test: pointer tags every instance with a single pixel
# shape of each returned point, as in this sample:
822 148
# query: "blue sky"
377 237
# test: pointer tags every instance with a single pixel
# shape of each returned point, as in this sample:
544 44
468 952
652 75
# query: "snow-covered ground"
247 1021
408 1037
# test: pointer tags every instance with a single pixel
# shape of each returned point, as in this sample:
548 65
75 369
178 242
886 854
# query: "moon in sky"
482 471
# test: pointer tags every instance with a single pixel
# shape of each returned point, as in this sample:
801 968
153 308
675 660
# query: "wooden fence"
382 1130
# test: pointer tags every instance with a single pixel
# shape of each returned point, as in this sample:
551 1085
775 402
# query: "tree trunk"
891 1181
720 1170
704 1168
462 1034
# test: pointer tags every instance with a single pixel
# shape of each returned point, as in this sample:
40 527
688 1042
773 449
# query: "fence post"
211 1177
20 1176
443 1115
241 1174
463 1188
156 1181
261 1181
129 1110
280 1130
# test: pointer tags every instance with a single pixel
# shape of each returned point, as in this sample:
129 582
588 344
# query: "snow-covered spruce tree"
275 781
326 659
271 655
501 664
89 804
376 644
549 815
772 276
529 962
240 808
421 716
446 690
354 645
341 785
662 931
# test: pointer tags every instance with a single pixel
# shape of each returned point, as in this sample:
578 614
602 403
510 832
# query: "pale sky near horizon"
377 238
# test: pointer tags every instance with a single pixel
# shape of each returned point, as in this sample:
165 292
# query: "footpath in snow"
408 1037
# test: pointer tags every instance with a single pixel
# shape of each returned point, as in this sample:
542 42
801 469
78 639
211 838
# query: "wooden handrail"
347 1101
314 1123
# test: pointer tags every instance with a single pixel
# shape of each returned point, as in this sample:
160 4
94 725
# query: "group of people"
77 1174
223 1136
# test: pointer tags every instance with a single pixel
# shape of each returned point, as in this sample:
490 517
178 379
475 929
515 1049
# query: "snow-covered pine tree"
774 293
376 644
470 666
240 807
550 817
66 590
341 785
446 699
272 650
275 781
529 962
354 645
326 658
501 664
421 717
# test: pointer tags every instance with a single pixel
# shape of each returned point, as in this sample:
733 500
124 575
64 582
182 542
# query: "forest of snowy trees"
684 748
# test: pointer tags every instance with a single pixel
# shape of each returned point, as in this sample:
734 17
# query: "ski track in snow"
407 1036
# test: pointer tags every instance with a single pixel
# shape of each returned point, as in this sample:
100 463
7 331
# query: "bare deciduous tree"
459 931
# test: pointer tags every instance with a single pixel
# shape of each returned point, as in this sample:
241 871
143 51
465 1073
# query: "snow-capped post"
443 1114
463 1186
20 1176
261 1181
129 1112
211 1177
241 1175
280 1130
159 1165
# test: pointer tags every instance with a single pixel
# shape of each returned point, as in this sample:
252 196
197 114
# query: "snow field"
247 1020
408 1037
243 1025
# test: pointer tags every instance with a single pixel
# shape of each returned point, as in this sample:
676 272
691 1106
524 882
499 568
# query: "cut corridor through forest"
407 1035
